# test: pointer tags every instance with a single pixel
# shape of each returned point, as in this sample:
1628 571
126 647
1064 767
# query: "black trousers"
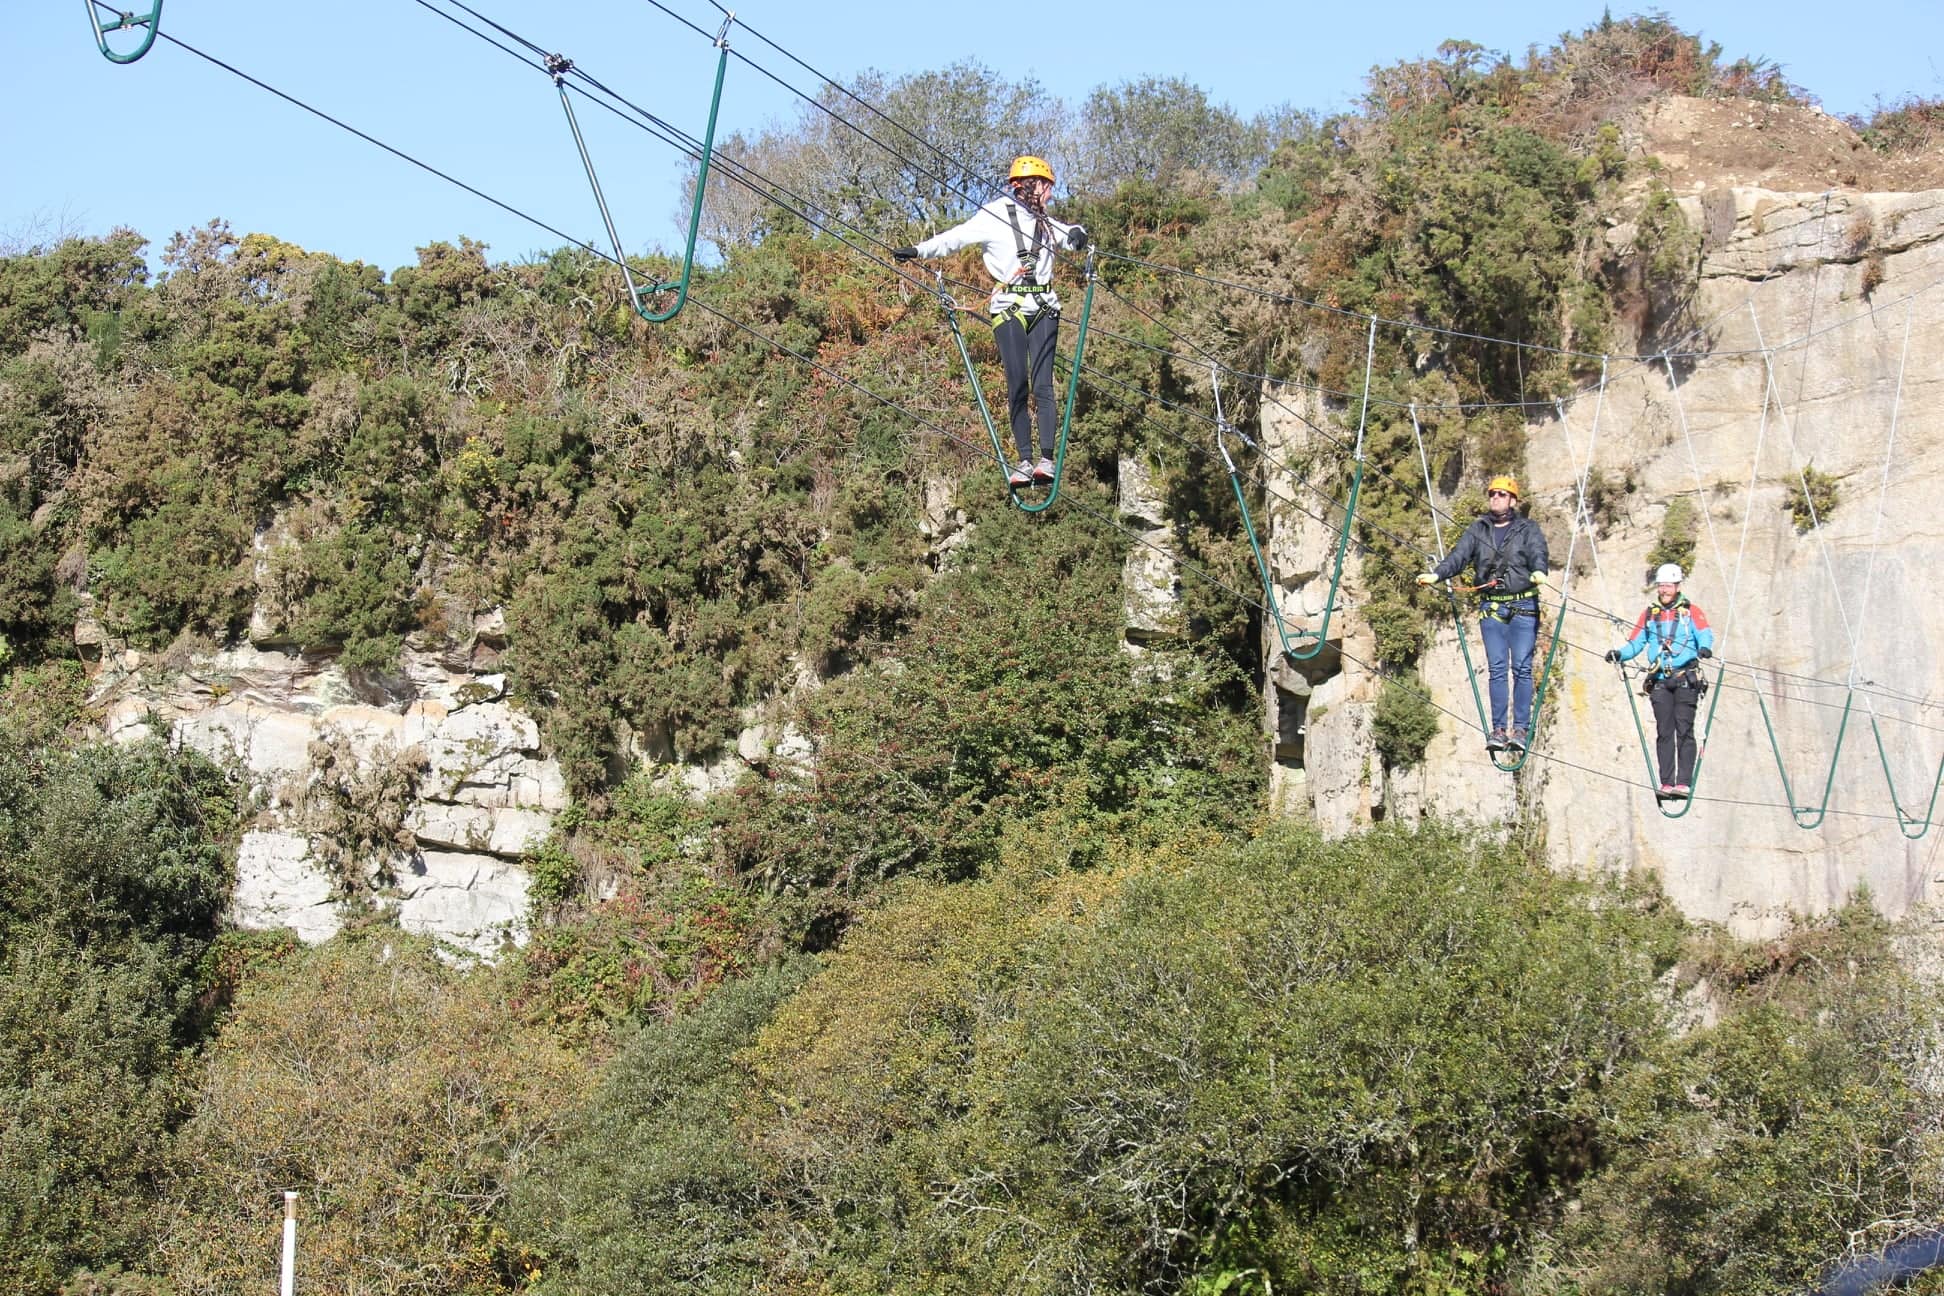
1674 706
1026 349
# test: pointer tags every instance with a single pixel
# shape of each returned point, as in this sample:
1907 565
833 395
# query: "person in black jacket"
1507 554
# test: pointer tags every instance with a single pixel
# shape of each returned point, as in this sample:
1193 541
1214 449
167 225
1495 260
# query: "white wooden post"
290 1244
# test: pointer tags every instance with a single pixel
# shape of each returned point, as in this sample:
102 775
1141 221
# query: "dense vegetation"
1009 988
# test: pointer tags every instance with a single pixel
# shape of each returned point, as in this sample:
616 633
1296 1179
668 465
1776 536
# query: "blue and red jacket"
1672 634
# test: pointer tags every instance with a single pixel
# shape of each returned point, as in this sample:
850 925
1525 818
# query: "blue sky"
170 142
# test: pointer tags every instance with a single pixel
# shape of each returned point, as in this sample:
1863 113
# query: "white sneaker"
1043 470
1021 475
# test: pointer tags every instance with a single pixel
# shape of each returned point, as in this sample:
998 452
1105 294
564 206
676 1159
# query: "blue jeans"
1509 644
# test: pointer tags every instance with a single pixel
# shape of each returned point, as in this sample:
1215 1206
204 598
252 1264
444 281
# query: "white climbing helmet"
1668 574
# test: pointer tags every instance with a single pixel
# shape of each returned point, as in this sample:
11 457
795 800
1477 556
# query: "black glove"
904 254
1613 654
1705 652
1077 238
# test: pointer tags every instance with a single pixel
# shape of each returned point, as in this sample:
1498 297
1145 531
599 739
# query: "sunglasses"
1496 494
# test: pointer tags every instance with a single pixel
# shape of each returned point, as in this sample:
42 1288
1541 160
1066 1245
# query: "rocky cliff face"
1819 308
419 795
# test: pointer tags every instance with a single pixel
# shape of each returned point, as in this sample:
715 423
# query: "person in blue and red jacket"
1675 634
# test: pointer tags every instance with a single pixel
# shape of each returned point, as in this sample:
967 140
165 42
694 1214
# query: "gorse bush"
1196 1061
1010 696
676 1209
398 1094
114 867
1680 529
1812 497
1404 721
1387 1063
1911 124
1743 1155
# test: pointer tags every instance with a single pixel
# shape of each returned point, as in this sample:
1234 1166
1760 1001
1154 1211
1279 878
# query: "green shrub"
1277 1062
553 874
660 942
351 587
396 1094
1746 1154
1404 721
182 564
654 1189
37 613
91 1086
1680 528
1011 696
114 868
1606 497
1274 1066
116 847
1217 1061
1812 497
1909 125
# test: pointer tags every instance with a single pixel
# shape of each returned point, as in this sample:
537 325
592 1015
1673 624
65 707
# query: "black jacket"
1503 559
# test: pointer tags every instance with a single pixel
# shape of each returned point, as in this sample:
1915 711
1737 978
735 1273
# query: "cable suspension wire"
634 115
1424 461
764 187
558 68
1805 816
1686 804
1430 501
1883 487
1808 495
1100 383
1271 604
1206 355
1815 282
1583 511
1574 604
975 199
1381 556
957 163
1905 821
1694 464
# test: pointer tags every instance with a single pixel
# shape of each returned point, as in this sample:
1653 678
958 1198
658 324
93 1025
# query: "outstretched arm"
1635 642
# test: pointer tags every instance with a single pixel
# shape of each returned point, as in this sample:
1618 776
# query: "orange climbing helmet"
1027 166
1510 485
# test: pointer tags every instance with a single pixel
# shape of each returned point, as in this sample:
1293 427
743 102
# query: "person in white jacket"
1019 238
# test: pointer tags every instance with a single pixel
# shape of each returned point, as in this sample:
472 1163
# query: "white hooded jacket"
1002 227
